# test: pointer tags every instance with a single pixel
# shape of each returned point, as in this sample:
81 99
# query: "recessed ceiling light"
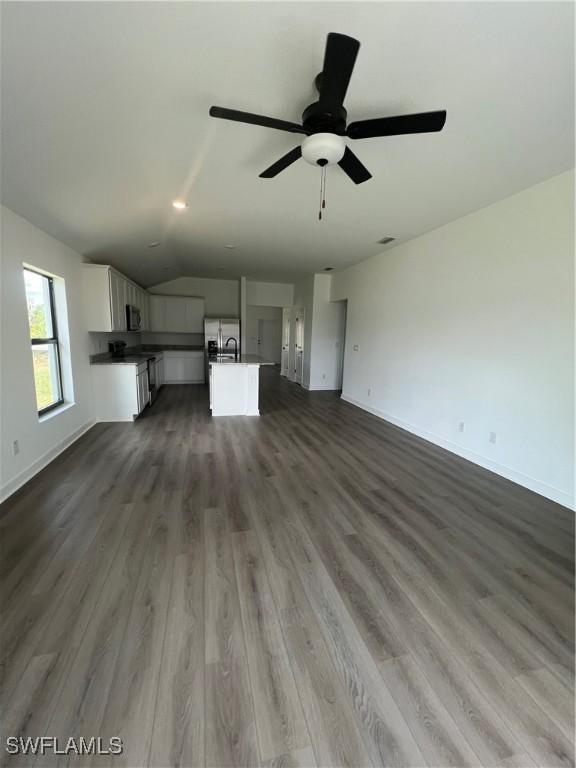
328 269
385 240
155 244
230 246
180 205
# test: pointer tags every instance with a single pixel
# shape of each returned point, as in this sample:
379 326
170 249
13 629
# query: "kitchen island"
234 383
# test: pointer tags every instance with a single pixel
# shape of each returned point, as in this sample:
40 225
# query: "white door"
284 363
269 339
299 345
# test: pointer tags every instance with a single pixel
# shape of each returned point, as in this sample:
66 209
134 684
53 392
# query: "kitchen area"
154 340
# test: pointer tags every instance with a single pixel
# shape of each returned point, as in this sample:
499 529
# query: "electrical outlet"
461 426
492 437
15 448
369 391
323 375
355 347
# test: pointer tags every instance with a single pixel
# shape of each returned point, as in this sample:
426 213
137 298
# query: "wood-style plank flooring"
310 587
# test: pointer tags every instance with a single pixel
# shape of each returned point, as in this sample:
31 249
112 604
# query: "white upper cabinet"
194 315
157 306
176 314
105 296
118 301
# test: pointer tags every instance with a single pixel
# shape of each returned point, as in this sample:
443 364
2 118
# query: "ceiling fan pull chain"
324 192
321 193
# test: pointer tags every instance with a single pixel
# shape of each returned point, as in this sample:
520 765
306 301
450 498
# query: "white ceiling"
105 121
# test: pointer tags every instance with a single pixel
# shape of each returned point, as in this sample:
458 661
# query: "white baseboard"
548 491
27 474
322 388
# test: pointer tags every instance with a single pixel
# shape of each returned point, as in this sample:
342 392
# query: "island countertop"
240 360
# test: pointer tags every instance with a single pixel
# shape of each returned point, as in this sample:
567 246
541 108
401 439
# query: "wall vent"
386 239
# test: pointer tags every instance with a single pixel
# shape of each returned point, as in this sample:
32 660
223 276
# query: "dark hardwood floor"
310 587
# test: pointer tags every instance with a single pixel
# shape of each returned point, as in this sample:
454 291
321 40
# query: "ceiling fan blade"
284 162
248 117
354 168
339 59
423 122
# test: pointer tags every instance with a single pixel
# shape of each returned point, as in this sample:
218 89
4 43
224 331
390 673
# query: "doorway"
264 332
269 337
286 325
299 320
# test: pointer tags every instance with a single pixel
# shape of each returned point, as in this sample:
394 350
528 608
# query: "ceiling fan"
324 121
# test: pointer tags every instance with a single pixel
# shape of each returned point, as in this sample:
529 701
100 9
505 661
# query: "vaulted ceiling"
105 121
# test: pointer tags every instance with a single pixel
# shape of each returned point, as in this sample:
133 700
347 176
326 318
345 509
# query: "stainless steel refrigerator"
221 336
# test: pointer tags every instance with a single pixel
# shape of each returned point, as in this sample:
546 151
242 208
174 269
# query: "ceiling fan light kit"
324 121
323 149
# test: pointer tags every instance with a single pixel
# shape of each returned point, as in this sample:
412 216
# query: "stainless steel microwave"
133 318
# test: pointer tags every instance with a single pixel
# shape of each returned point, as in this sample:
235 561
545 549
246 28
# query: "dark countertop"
170 347
124 360
141 352
240 360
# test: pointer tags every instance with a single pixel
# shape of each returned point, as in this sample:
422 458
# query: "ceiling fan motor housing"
323 149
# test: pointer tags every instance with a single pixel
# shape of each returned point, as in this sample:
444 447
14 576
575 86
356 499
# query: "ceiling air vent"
386 239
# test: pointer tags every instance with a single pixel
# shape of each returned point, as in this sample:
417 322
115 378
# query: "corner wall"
328 327
473 324
40 441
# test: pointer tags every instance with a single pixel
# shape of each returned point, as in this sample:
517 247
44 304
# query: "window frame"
53 340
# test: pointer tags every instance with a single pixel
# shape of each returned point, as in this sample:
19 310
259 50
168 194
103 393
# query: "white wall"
253 315
221 297
474 323
40 441
269 294
327 337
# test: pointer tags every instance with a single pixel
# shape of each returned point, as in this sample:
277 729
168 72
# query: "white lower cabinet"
120 391
159 371
143 390
184 367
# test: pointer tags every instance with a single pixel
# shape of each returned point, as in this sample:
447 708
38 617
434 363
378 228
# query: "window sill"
55 412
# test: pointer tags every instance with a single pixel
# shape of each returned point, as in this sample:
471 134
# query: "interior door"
285 361
299 346
269 339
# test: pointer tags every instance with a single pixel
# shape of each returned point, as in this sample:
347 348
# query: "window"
44 340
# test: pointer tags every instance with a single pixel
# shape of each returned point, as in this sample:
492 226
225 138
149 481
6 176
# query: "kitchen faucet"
235 346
